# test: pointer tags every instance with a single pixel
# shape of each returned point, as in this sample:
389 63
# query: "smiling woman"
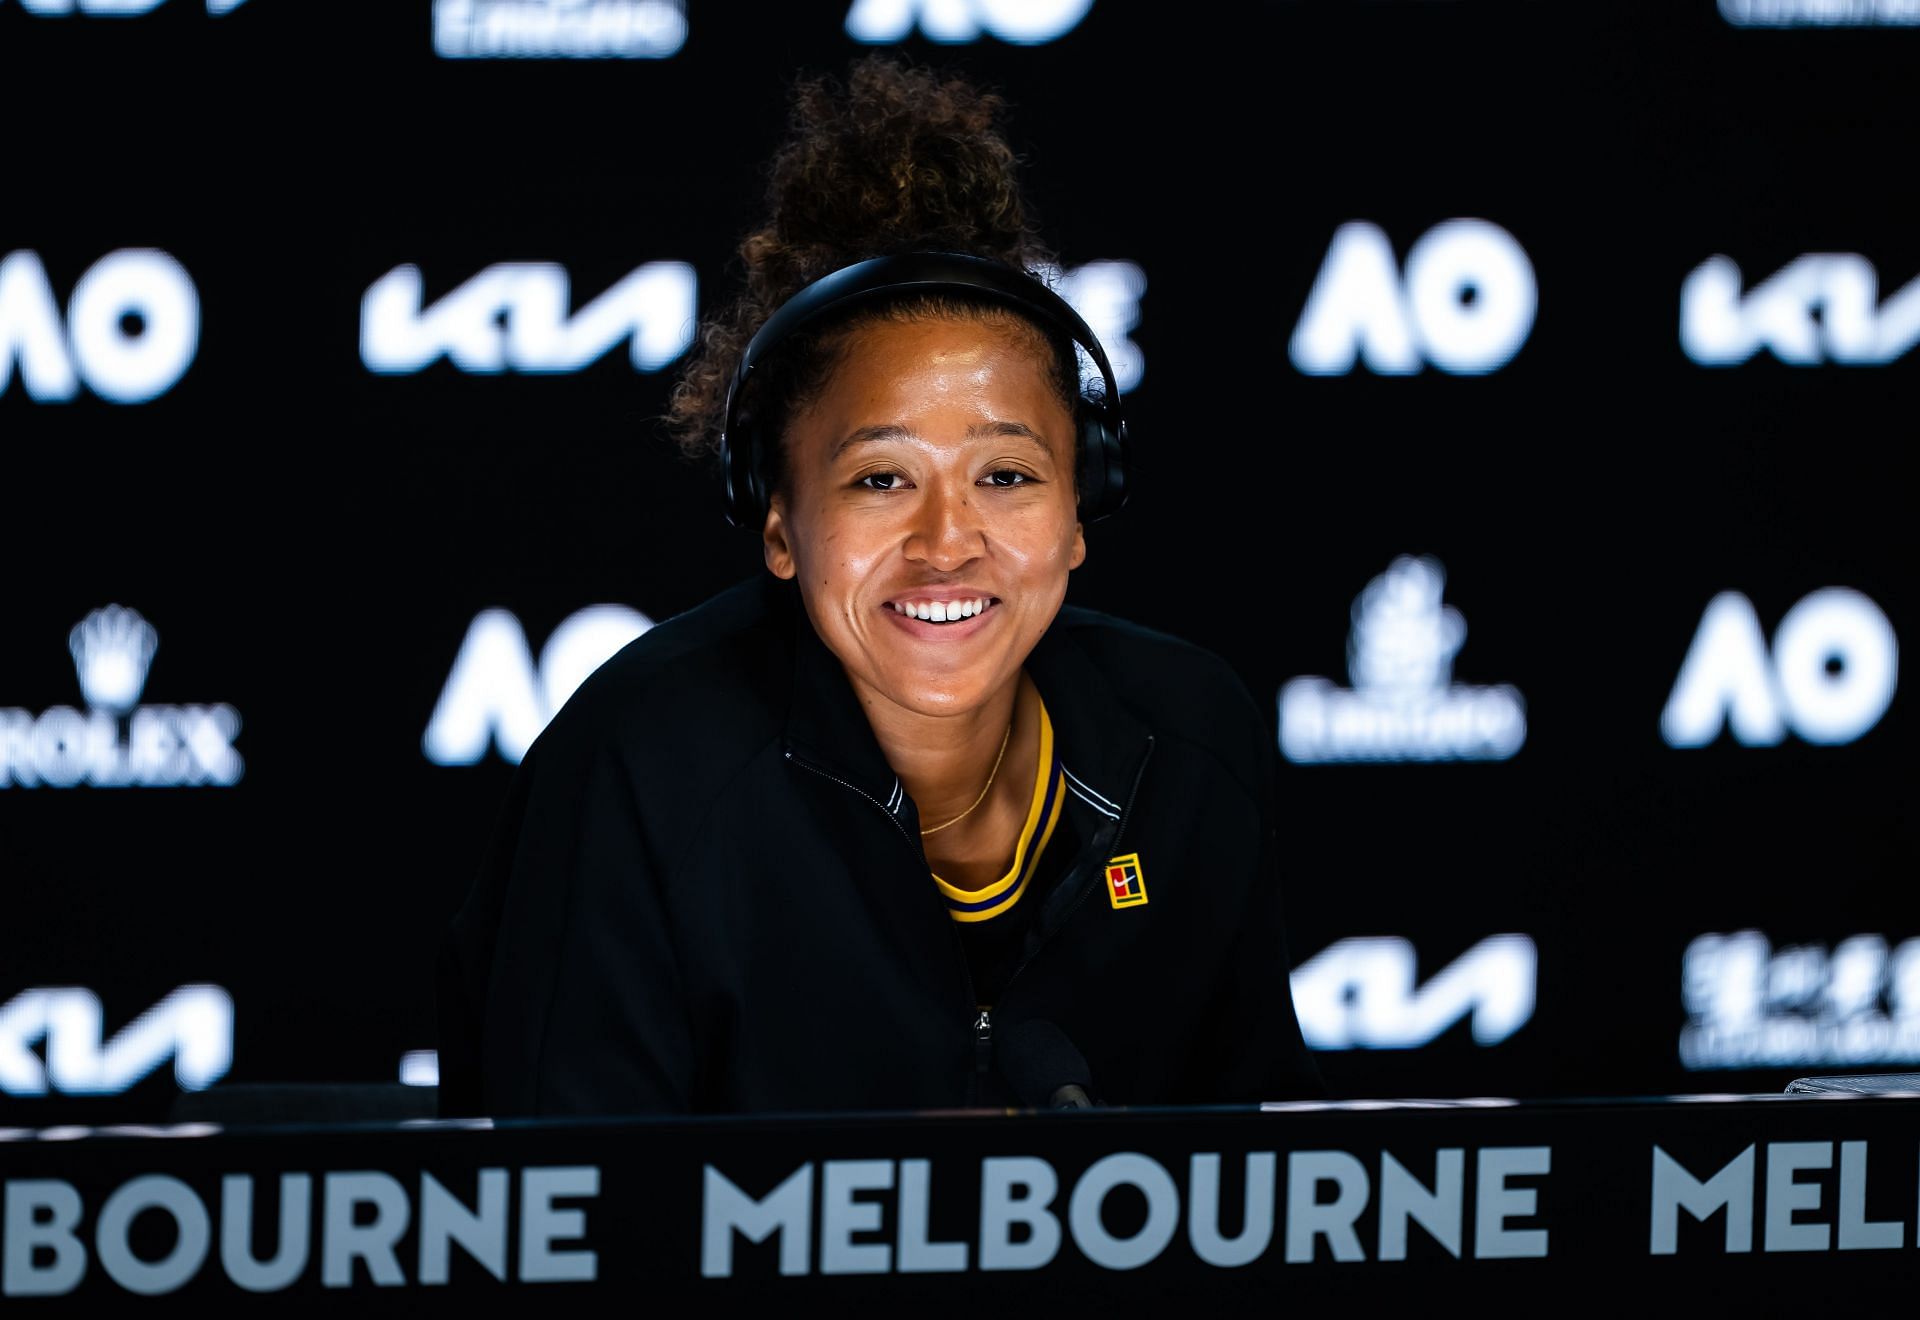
829 840
960 505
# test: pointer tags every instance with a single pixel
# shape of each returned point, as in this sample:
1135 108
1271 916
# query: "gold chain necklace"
983 792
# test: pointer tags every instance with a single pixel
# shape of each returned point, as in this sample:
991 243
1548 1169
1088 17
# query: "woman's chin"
945 699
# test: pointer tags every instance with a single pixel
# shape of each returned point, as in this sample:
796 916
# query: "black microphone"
1045 1069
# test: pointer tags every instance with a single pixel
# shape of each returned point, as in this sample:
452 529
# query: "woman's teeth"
943 611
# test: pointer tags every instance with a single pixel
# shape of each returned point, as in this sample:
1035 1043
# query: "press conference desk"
1741 1205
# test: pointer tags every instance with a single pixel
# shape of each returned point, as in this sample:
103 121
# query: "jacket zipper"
981 1019
1119 828
983 1025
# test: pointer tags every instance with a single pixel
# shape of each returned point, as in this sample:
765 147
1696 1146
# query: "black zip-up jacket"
707 893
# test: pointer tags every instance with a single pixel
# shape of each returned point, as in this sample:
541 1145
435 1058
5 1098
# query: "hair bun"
895 159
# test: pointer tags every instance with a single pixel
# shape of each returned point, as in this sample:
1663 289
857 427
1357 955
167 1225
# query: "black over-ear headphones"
1103 434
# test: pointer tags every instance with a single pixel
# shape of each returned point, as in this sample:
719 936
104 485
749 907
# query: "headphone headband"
1102 429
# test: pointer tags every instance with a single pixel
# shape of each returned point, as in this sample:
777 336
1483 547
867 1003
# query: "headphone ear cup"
1093 467
756 478
745 488
1103 478
727 501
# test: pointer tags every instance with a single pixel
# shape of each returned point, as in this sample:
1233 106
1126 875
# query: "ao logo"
494 694
1823 307
1830 676
513 317
1359 993
193 1026
1465 302
1022 22
116 8
132 327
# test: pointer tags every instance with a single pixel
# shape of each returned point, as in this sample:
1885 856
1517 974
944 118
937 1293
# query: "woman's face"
936 468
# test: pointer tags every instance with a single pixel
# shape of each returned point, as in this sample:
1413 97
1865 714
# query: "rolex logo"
116 741
112 648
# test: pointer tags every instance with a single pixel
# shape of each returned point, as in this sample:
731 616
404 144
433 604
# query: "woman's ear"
1079 555
774 542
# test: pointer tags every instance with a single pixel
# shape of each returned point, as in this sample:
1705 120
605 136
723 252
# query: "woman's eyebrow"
895 431
979 429
869 434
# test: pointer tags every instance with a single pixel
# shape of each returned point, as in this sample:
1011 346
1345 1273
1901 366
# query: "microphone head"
1040 1063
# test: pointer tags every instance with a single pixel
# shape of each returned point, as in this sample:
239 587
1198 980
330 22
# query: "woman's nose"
947 530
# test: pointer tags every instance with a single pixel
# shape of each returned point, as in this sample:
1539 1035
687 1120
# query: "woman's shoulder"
1152 666
1176 687
707 680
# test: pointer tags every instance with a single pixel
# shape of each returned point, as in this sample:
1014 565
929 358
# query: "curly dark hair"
897 159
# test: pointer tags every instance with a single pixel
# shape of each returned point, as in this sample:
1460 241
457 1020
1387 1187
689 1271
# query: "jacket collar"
1101 742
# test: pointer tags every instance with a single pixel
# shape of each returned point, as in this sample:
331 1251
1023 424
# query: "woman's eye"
1002 478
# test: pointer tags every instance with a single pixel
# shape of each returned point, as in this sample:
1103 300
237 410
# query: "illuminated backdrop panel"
1518 389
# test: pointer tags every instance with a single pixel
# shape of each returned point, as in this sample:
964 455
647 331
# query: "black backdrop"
312 540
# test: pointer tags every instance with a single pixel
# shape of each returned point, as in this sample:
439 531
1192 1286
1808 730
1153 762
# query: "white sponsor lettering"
785 1212
1830 675
41 1215
1823 307
193 1026
1404 1199
1149 1179
1021 1228
1403 705
363 1217
842 1215
192 1234
1495 1203
558 29
514 317
495 697
1821 13
1016 1192
1311 1216
1789 1201
115 8
1465 303
481 1233
543 1224
155 747
131 329
1359 993
1256 1212
117 743
1674 1190
1750 1005
293 1215
1022 22
918 1253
